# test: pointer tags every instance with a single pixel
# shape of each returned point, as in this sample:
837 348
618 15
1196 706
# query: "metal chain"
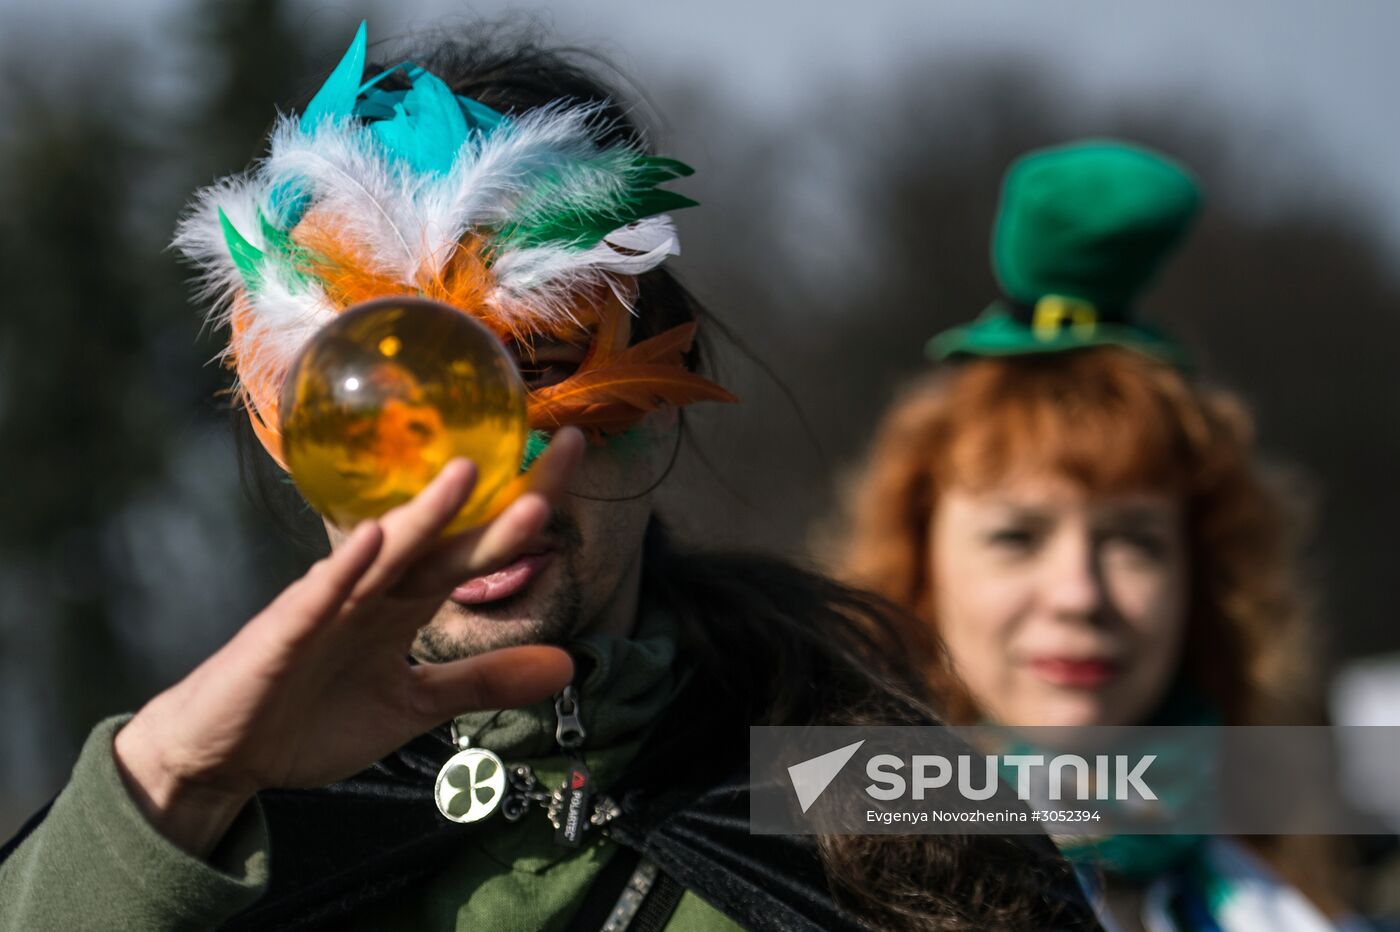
524 789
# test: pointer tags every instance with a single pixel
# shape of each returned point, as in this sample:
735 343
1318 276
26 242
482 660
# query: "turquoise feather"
336 98
425 125
428 127
378 104
287 203
483 119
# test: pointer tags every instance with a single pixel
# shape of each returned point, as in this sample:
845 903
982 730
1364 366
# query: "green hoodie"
95 862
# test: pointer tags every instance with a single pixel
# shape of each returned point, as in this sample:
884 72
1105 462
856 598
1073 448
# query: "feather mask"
530 223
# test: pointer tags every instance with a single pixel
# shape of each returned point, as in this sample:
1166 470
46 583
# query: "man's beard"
528 617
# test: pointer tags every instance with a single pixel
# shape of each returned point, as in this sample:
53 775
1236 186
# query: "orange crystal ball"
382 398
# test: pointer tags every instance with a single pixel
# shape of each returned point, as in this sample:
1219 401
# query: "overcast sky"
1325 69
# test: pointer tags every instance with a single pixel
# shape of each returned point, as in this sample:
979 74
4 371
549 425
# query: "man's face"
580 574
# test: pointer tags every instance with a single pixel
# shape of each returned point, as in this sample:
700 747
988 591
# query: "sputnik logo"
811 777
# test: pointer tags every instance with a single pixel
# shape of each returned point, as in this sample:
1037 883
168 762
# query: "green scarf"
511 876
1139 857
1142 856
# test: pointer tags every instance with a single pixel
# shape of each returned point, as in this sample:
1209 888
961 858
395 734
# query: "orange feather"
270 439
640 385
611 336
617 396
340 266
464 282
258 395
667 348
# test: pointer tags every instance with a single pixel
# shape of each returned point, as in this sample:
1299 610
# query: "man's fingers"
414 526
321 592
501 679
487 548
475 552
503 539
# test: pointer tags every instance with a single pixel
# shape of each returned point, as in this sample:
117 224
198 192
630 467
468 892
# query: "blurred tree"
103 377
80 423
248 58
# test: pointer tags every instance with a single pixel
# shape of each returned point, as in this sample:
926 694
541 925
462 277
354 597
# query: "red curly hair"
1111 420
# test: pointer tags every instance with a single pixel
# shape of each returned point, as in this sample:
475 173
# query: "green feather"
586 228
276 240
535 444
281 246
244 254
539 224
658 170
650 203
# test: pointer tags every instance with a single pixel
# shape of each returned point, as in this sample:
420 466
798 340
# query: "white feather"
533 167
491 181
343 167
284 317
647 243
648 235
199 236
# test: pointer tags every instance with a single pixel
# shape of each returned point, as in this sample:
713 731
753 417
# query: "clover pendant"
470 786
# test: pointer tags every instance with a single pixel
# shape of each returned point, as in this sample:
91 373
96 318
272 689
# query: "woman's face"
1059 607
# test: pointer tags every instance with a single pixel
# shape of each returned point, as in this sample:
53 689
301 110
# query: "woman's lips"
503 583
1082 673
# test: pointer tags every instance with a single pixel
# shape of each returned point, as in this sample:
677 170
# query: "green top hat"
1080 230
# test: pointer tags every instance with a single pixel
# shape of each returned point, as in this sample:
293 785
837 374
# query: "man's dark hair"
772 644
777 645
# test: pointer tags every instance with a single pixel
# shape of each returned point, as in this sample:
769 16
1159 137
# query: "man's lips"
1076 672
503 583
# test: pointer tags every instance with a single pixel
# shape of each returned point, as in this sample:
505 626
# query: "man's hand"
316 687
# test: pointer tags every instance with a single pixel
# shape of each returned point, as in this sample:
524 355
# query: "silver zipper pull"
569 732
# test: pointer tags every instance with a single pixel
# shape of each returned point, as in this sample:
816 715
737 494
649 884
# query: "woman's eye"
1012 539
1153 546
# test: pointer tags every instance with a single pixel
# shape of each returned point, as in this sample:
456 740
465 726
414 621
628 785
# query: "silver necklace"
475 783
